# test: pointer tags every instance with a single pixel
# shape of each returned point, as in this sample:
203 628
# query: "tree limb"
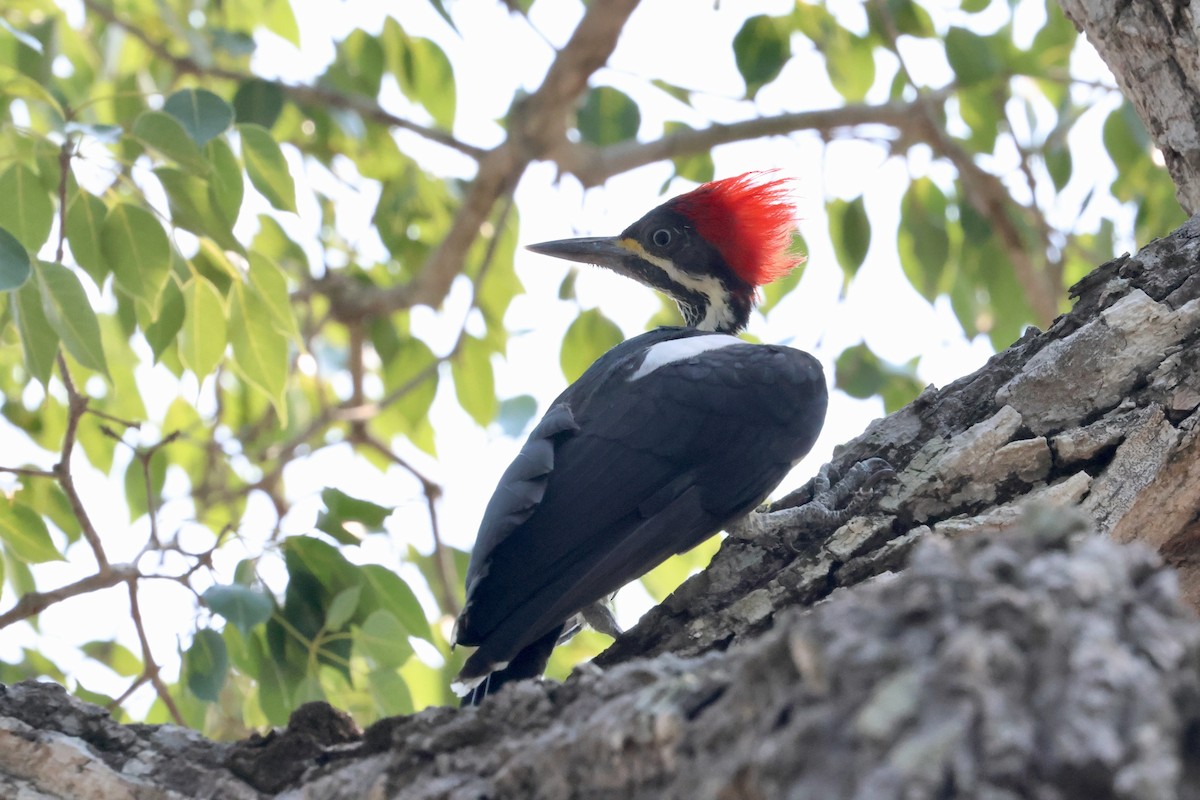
1151 47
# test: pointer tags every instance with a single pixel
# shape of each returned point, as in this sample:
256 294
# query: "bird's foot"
600 617
832 504
597 616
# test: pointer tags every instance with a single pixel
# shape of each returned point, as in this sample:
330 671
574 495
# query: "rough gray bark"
1041 663
1153 48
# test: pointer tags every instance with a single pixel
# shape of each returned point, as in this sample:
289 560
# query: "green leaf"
389 591
48 500
923 243
270 282
383 639
850 231
474 382
24 533
390 692
204 335
971 57
761 48
910 18
281 20
192 207
590 336
85 221
68 311
115 656
1125 137
38 340
161 333
850 62
244 606
136 497
166 134
26 212
206 663
608 116
136 247
341 508
202 114
260 352
982 107
225 180
413 360
427 77
775 291
15 266
342 608
515 414
1057 156
267 167
259 102
862 374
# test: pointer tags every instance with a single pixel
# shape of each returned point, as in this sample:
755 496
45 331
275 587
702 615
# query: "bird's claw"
598 616
832 505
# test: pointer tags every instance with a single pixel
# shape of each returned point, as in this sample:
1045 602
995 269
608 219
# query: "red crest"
749 221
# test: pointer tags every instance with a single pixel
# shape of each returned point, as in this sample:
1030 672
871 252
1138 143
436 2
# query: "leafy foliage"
168 328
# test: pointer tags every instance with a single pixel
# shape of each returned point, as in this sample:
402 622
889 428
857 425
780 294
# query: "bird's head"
708 250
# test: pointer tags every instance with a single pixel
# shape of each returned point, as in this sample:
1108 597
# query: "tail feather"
528 663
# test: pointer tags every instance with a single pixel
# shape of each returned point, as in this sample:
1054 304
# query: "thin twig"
136 426
35 603
30 472
442 558
149 665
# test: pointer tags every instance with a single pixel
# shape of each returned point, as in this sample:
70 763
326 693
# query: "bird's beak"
603 251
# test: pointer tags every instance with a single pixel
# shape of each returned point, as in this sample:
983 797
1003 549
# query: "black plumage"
664 440
625 470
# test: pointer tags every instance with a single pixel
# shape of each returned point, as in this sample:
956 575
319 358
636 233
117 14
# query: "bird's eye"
662 237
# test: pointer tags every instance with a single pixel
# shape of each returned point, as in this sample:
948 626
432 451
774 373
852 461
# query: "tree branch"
1150 46
594 165
36 602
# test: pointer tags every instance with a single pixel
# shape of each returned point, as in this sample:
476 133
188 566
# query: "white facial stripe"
664 353
718 312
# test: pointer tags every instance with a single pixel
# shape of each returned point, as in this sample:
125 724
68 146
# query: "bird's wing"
652 466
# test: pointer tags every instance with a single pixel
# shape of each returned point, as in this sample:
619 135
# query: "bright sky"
497 54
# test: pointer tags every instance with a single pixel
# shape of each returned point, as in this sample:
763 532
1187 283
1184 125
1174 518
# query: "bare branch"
150 666
594 165
538 127
36 602
29 472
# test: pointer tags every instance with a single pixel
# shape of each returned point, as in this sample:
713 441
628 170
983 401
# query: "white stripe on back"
664 353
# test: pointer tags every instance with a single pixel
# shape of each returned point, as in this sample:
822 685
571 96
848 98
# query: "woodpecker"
665 440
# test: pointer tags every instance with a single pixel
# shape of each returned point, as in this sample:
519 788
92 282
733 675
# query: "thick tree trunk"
1038 663
1153 47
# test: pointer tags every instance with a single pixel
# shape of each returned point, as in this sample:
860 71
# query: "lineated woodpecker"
666 438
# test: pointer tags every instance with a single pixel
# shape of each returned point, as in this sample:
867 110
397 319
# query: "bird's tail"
528 663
